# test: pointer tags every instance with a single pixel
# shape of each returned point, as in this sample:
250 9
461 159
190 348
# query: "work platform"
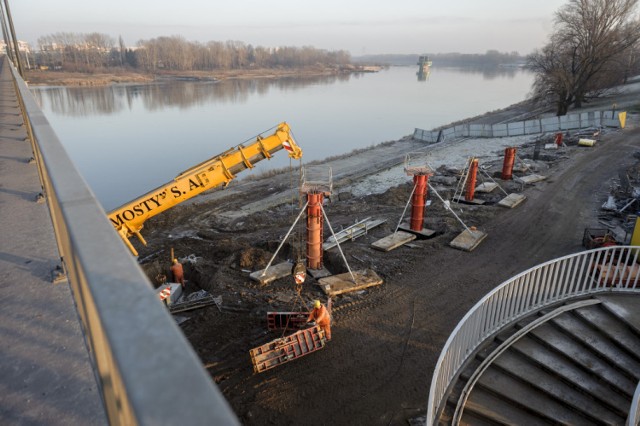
45 372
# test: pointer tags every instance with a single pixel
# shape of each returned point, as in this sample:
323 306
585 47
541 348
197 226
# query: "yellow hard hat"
175 261
316 304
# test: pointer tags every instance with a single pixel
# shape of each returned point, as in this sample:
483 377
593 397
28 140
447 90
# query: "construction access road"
386 340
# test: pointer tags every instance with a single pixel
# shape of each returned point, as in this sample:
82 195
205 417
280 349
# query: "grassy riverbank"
119 76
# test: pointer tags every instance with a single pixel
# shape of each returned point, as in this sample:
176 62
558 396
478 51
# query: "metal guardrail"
146 370
610 269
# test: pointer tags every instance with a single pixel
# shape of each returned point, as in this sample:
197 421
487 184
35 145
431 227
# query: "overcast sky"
359 26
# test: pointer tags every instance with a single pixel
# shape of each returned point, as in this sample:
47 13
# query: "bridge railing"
145 368
610 269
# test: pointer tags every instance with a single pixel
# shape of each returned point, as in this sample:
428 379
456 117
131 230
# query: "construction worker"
178 272
321 316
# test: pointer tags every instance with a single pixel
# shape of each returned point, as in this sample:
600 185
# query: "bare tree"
578 62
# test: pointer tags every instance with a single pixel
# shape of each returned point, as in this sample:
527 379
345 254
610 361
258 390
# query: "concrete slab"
512 200
393 241
423 233
530 179
343 283
275 272
468 241
486 187
176 292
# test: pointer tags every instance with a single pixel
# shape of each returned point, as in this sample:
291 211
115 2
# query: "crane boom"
128 219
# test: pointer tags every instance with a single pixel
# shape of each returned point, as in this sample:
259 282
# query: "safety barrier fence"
610 269
583 120
146 370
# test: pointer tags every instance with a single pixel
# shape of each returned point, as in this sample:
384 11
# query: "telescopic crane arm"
128 219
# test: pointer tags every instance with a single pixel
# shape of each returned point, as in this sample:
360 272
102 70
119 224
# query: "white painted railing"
634 411
610 269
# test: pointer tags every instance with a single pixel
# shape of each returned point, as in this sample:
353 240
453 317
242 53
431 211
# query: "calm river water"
129 139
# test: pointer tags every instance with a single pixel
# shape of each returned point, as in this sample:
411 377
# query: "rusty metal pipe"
471 181
418 202
509 160
314 230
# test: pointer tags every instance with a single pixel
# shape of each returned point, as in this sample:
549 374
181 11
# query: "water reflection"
492 73
80 102
88 101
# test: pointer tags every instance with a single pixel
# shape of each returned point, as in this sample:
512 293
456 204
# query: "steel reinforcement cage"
146 370
610 269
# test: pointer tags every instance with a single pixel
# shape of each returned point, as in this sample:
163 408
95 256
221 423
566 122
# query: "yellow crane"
128 219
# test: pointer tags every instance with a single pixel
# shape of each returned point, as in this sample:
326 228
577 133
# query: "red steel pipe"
314 230
559 139
509 160
418 201
471 180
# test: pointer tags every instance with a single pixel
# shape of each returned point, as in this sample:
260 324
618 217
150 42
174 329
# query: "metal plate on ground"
486 187
512 200
468 241
275 272
530 179
393 241
352 232
319 273
475 201
424 232
343 283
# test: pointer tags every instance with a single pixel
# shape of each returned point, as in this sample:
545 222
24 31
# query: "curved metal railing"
601 270
633 418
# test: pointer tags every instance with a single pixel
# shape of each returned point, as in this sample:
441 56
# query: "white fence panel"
500 130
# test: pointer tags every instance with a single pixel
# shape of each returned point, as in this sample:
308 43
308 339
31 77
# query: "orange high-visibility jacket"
320 316
178 274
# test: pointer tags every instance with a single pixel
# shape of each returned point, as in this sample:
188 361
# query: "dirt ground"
386 339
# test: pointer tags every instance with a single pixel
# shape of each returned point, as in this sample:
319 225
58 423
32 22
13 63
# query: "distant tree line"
88 52
595 46
491 58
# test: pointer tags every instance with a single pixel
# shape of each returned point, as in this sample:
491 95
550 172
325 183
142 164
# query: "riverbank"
124 76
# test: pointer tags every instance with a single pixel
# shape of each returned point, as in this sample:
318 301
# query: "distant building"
23 46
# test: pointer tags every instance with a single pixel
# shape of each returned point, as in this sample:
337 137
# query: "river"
128 139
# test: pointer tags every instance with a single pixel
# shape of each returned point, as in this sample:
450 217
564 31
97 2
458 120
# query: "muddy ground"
386 339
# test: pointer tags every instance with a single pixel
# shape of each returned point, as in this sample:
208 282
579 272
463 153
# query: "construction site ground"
386 339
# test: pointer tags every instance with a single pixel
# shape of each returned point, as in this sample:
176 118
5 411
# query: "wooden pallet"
285 349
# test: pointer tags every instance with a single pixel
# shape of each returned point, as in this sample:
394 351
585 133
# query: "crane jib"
129 218
147 205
